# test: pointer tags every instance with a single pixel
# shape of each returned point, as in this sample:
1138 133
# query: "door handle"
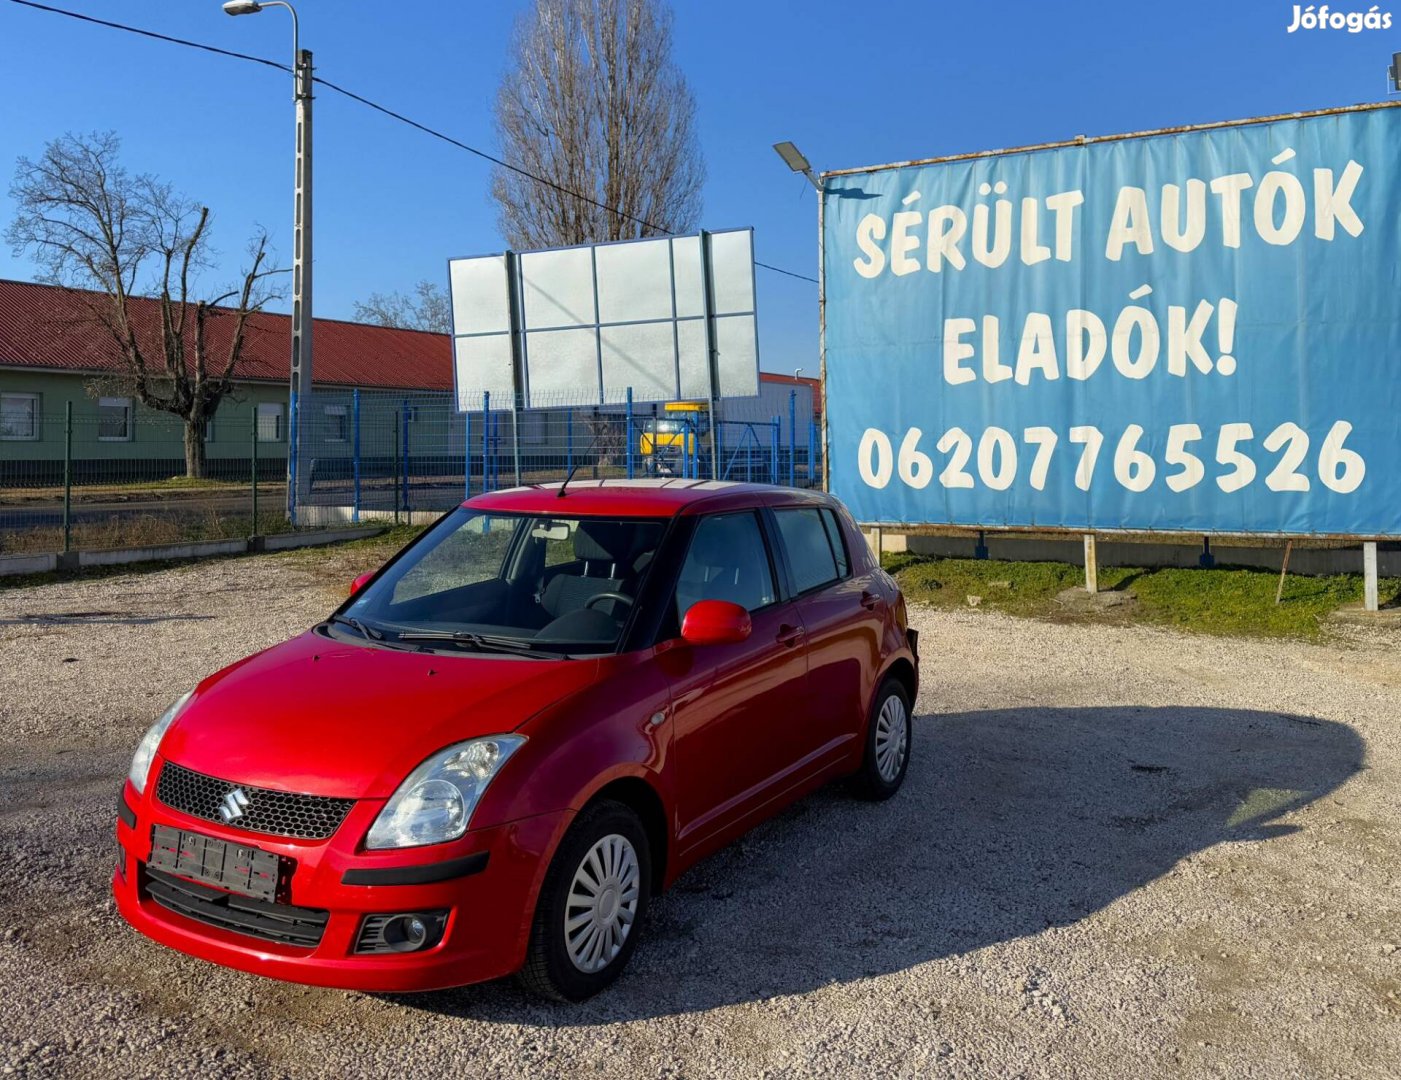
789 635
869 600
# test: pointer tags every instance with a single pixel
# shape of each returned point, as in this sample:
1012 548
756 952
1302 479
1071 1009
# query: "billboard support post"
513 293
1091 565
712 354
822 332
1369 575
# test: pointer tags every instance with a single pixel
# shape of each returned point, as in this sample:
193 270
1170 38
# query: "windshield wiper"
356 624
481 642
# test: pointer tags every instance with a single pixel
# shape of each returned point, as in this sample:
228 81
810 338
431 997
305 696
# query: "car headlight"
150 743
436 802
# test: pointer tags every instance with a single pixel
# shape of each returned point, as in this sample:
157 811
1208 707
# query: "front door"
734 707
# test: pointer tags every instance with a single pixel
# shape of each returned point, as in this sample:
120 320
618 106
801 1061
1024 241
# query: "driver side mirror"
360 582
715 622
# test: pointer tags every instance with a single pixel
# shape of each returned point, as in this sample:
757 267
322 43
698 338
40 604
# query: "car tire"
600 881
887 754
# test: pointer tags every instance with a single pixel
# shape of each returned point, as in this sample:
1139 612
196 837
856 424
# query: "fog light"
409 931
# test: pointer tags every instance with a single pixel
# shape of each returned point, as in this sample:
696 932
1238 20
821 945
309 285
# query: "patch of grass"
1219 601
143 530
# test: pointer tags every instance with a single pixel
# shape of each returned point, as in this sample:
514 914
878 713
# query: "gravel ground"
1119 851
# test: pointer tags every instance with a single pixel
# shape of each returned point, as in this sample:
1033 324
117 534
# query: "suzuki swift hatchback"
533 718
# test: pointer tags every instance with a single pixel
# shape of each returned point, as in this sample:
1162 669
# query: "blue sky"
851 84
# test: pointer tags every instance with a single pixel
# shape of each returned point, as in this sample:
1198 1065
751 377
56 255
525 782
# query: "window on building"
269 421
19 416
337 425
114 419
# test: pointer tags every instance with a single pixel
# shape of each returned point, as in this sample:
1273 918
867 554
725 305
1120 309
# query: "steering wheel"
596 597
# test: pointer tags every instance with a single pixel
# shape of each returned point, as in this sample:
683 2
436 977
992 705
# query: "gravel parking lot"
1119 852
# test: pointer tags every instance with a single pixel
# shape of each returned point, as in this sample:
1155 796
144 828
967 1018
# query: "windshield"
520 583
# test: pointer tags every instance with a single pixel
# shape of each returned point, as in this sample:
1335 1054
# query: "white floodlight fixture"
242 7
794 159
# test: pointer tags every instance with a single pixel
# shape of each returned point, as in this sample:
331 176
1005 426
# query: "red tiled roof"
46 326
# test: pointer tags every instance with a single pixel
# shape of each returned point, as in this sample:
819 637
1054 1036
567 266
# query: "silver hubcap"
602 904
892 738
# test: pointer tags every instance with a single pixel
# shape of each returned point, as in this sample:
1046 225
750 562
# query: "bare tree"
91 225
427 309
594 103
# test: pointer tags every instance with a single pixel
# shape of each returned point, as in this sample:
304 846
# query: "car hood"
323 717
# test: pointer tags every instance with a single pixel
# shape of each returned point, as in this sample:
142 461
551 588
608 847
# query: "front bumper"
490 903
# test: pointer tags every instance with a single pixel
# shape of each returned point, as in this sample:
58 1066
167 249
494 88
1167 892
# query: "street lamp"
791 155
300 376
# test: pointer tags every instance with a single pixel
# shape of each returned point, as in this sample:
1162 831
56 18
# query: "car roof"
642 498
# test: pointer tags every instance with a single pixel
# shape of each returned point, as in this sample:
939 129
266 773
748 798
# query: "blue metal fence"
366 451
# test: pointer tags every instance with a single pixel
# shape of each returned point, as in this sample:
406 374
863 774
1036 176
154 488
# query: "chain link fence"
372 453
119 480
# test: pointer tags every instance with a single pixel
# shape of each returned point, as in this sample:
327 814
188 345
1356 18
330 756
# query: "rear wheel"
887 754
593 900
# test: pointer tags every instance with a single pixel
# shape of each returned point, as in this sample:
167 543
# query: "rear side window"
811 561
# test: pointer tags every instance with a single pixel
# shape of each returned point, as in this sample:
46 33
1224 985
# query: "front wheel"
887 754
591 905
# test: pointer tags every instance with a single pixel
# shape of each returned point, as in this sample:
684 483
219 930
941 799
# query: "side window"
810 558
834 537
727 560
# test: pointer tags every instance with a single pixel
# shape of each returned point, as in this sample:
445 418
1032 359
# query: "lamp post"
795 160
300 379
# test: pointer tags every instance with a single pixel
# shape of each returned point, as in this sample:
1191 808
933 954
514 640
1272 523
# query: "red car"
533 718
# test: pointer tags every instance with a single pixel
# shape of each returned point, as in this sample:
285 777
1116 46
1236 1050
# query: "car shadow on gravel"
1010 821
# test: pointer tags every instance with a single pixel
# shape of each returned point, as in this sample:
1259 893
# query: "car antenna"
598 432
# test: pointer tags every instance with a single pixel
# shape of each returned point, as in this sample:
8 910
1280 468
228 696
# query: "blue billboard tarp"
1195 331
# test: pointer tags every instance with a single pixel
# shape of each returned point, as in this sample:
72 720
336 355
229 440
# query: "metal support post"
1369 575
792 438
628 451
68 477
355 460
301 370
712 353
253 470
486 442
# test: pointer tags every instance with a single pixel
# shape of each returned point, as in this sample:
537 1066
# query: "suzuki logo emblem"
234 806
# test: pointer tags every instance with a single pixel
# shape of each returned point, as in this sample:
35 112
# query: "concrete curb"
76 560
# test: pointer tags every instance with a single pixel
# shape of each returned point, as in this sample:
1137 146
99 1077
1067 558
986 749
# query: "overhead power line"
385 110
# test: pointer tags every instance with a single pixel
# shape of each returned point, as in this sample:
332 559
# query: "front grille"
276 813
241 914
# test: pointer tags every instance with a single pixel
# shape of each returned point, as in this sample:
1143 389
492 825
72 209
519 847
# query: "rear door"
843 613
735 708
